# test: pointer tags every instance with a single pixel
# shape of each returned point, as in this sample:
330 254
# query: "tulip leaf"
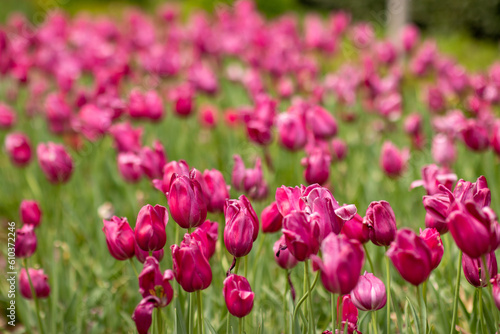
415 316
210 327
407 318
179 322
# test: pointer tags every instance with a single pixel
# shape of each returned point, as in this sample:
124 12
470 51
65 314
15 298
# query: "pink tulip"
242 226
39 281
392 160
238 295
119 238
55 162
369 294
149 230
18 147
283 257
30 213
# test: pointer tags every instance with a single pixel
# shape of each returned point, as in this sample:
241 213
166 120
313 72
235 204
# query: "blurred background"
471 18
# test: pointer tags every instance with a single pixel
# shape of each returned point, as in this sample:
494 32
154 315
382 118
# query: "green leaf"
210 327
415 315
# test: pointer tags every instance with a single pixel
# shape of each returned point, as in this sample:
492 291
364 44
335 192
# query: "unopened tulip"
218 190
356 229
55 162
129 166
150 227
322 124
475 269
153 160
126 138
173 167
207 235
30 213
145 105
292 132
443 150
495 284
411 256
271 219
58 112
495 138
475 136
119 238
238 295
283 257
7 117
153 283
242 226
18 148
370 293
433 240
141 255
39 281
349 316
302 234
208 117
339 149
381 222
143 314
392 160
317 165
183 98
341 263
190 265
25 244
92 121
250 180
187 201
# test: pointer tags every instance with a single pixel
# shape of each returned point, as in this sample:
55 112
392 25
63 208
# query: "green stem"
480 300
237 266
369 259
246 265
388 271
133 267
301 301
285 302
374 322
421 304
339 318
159 322
455 299
200 312
334 313
35 298
240 325
190 314
309 297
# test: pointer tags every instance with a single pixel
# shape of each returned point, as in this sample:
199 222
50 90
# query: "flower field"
229 173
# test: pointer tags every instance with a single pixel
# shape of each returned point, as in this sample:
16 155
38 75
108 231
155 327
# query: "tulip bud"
381 223
30 213
411 256
26 242
369 294
153 160
207 235
355 229
322 124
271 219
349 315
129 166
392 160
191 268
39 281
475 269
341 263
433 240
242 226
141 255
317 165
218 190
126 138
283 257
55 162
339 149
18 148
150 227
183 98
58 112
495 283
475 136
443 150
143 314
153 283
238 295
291 131
435 99
186 200
119 237
250 180
7 117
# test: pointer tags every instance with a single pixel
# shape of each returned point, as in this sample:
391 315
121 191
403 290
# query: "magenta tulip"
126 138
7 117
302 234
119 238
26 242
30 213
289 199
207 235
150 227
283 257
218 190
271 218
173 167
141 255
357 230
18 148
242 226
475 269
55 162
292 132
238 295
392 160
143 314
433 240
317 165
322 124
370 293
186 201
153 160
129 166
153 283
495 283
39 281
381 223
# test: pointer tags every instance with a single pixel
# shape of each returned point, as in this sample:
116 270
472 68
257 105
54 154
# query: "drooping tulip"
381 222
119 238
153 283
143 313
207 234
242 226
238 295
187 201
190 265
55 162
475 269
370 293
271 218
283 257
39 281
150 232
18 148
30 212
26 242
341 264
411 256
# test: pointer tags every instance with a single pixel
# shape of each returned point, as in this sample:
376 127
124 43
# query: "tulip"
186 201
119 238
433 240
18 148
141 255
411 256
475 136
55 162
238 295
153 283
432 177
495 283
410 37
283 257
369 294
126 138
129 166
30 213
495 138
25 243
341 263
478 192
153 160
475 269
39 281
183 98
242 226
58 112
381 223
302 234
349 314
439 225
143 314
289 199
208 117
443 150
190 265
392 160
317 165
339 149
207 235
292 132
7 117
218 190
150 227
355 229
173 167
322 124
271 219
92 121
435 99
145 105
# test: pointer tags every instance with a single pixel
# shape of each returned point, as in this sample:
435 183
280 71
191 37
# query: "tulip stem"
35 298
299 303
369 259
190 314
374 322
309 298
455 299
236 266
480 300
200 312
285 302
133 267
421 306
334 313
158 321
388 270
240 325
246 265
